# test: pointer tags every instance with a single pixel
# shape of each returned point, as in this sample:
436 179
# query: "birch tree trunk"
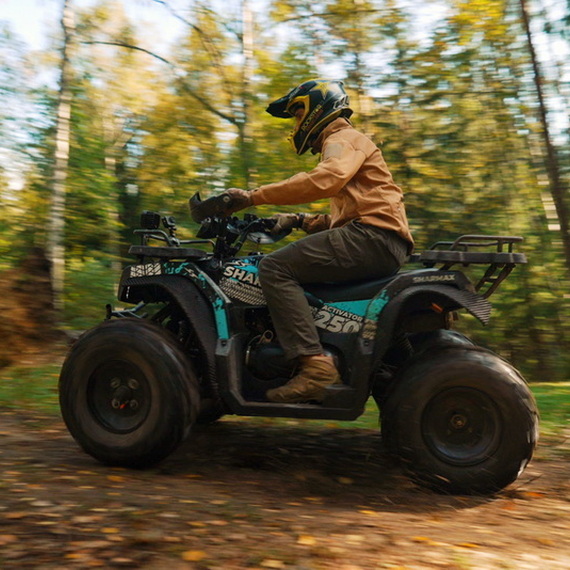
56 224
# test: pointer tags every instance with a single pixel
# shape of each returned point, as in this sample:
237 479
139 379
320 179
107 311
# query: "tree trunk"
557 188
56 224
245 134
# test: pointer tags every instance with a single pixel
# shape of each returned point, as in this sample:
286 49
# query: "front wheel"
462 421
127 393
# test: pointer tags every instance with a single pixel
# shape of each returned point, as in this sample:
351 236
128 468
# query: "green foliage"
17 129
553 401
91 284
30 388
450 104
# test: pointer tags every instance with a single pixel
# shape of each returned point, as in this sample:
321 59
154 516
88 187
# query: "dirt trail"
245 495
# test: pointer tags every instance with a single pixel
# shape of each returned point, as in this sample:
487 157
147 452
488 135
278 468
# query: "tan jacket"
353 174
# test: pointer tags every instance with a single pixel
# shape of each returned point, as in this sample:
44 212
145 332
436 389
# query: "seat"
348 290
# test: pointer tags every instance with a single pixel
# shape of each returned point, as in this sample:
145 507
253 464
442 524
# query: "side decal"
333 318
375 307
241 282
145 270
218 299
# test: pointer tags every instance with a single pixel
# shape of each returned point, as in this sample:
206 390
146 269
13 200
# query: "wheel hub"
462 426
124 396
458 421
119 396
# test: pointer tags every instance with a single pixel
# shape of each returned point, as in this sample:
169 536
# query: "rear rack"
501 260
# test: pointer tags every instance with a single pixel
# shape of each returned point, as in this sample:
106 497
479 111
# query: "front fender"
186 294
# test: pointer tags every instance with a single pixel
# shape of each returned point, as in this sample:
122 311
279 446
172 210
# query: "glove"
240 199
286 222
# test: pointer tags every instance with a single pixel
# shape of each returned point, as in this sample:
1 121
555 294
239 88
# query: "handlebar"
226 233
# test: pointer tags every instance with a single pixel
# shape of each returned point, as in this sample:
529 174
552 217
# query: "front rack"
501 260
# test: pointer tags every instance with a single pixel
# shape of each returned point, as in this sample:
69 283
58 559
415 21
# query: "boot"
317 372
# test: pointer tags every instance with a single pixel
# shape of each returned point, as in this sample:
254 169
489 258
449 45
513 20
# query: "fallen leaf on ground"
193 555
307 540
270 563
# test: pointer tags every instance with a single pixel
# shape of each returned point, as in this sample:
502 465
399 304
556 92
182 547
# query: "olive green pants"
354 252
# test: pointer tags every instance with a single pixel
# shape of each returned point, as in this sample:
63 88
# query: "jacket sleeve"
340 162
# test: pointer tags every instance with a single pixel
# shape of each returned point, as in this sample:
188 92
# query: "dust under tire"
127 393
462 421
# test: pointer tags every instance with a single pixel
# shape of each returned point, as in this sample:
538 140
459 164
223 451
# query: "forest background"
468 99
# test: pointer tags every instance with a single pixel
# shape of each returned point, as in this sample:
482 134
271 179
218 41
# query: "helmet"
322 102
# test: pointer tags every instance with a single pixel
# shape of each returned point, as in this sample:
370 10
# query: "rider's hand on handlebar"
286 222
240 199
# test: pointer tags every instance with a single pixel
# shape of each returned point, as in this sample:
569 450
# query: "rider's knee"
267 268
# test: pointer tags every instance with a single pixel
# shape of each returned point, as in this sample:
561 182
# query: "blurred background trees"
470 125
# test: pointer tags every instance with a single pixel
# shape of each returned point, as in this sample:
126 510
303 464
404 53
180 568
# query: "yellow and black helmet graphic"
314 104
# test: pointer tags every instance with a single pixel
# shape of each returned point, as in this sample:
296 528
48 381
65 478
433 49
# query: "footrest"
339 397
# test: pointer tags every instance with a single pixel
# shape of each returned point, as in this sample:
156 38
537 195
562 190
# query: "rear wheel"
462 421
419 343
127 393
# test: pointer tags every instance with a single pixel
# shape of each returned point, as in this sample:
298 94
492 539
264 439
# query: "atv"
196 342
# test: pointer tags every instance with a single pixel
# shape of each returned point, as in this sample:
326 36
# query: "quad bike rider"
366 235
213 333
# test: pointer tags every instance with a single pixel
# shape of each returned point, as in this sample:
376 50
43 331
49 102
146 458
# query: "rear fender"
393 304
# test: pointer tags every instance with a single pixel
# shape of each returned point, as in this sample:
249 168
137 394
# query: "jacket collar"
336 125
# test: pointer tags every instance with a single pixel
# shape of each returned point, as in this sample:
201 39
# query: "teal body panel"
238 284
